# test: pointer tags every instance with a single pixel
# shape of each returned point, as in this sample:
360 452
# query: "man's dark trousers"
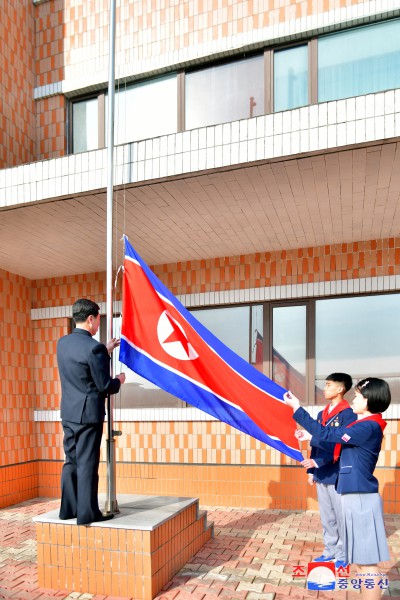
79 477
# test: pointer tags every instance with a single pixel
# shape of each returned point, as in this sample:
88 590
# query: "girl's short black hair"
377 393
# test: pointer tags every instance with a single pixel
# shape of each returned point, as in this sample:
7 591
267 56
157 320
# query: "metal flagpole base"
111 507
111 504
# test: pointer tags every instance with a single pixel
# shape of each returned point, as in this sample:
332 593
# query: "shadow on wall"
291 491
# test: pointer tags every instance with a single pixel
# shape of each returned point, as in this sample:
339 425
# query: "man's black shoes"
105 517
99 519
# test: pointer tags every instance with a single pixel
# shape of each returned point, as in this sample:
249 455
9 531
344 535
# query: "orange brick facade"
18 445
306 265
17 79
372 258
204 459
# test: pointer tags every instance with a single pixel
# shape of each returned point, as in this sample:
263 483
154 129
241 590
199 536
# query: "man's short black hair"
343 378
83 308
377 393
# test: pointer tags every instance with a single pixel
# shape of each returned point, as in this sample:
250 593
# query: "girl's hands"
291 400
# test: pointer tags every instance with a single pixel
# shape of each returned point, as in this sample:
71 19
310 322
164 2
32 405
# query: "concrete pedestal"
134 554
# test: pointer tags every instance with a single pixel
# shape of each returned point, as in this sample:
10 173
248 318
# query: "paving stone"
254 587
251 562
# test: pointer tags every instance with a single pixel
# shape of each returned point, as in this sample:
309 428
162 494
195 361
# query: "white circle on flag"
173 338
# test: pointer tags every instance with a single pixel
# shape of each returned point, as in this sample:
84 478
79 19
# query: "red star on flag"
177 335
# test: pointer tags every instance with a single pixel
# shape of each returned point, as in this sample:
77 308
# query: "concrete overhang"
323 174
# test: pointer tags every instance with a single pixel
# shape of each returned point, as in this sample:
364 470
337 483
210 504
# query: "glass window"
225 93
289 348
138 392
85 125
257 336
145 110
359 336
359 61
230 325
290 78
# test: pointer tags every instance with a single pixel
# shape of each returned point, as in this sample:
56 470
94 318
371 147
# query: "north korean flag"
164 343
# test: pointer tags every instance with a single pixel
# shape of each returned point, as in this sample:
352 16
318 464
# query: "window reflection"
289 348
145 110
360 336
225 93
85 125
359 61
290 78
138 392
257 336
230 325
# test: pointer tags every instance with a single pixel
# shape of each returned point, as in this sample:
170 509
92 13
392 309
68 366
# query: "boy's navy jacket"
361 444
328 470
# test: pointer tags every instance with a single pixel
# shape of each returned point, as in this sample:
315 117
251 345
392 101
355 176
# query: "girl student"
364 535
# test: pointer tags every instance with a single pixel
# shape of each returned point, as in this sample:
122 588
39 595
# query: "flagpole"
111 505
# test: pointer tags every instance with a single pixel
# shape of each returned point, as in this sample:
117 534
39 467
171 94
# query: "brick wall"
18 446
51 127
373 258
17 111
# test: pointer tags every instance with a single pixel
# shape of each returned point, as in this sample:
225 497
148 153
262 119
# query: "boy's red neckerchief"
327 416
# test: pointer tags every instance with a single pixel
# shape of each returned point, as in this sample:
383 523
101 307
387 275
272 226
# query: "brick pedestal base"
135 554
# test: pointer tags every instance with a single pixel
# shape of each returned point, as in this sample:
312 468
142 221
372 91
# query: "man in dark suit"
84 367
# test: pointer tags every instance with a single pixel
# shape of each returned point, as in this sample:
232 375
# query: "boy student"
323 468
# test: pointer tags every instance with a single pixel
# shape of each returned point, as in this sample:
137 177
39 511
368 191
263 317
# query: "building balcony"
325 173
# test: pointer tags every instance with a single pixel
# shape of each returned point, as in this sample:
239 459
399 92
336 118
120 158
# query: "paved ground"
250 558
